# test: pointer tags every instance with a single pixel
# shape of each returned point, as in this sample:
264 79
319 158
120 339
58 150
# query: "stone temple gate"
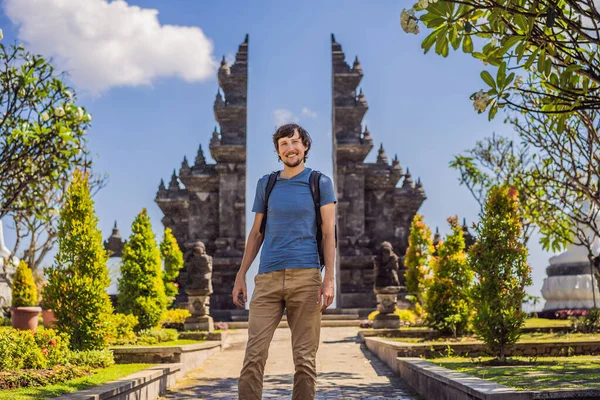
207 202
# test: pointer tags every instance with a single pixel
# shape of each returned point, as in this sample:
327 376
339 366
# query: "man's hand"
326 292
239 287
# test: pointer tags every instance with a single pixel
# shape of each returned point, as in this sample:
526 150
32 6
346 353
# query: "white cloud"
103 45
309 113
230 58
282 117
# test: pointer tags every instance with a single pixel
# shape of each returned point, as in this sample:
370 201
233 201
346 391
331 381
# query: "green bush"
448 303
173 262
58 374
78 280
93 358
25 349
24 291
177 316
499 258
154 336
418 257
589 323
141 287
123 328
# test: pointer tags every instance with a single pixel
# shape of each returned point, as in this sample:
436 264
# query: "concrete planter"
25 317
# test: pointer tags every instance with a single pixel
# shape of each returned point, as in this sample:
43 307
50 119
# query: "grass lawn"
525 337
99 377
546 323
179 342
543 373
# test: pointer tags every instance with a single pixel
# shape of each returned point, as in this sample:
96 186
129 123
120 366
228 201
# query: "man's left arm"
326 293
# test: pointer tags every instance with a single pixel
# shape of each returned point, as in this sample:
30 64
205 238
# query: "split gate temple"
207 202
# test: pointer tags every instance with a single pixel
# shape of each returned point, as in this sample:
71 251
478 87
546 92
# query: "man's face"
291 150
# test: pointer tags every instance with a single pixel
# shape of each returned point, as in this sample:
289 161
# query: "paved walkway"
345 370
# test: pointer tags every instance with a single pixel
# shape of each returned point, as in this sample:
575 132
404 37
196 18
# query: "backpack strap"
315 189
270 184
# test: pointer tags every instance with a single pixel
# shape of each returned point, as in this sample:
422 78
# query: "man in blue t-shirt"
289 275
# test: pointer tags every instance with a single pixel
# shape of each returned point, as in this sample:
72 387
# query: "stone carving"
199 271
376 201
198 287
205 201
386 270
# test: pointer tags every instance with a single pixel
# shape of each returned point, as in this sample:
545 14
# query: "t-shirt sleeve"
259 198
327 190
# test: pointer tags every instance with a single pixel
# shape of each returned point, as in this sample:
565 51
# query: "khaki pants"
296 290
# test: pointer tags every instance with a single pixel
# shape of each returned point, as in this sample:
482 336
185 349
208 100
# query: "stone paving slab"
346 370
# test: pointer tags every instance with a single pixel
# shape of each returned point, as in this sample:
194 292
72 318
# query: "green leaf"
467 44
430 40
487 78
501 75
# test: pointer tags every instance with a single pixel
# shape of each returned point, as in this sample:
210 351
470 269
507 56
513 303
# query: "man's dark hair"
288 130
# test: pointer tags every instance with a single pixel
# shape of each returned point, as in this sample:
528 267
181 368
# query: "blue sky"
144 124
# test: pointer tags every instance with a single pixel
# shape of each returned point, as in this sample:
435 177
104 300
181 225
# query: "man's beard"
292 164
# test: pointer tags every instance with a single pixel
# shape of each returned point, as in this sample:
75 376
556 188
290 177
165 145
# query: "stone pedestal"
386 303
198 306
386 321
199 323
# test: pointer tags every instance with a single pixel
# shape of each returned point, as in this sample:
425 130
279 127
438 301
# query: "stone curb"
143 385
438 383
475 349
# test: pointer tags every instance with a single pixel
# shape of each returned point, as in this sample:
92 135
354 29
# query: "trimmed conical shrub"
173 262
78 280
24 291
499 259
141 286
449 304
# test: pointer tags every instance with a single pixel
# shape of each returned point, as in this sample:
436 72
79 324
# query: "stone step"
329 317
325 323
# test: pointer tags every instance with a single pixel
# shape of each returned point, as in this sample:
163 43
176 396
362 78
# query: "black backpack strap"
270 184
315 189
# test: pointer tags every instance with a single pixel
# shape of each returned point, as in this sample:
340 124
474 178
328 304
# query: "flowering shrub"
154 336
25 349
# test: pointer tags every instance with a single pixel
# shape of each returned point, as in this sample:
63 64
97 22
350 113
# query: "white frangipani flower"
80 113
68 94
59 111
45 116
422 4
480 101
88 117
408 21
1 34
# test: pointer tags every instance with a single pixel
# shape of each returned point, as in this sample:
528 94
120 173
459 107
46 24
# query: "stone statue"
386 270
198 287
387 286
199 271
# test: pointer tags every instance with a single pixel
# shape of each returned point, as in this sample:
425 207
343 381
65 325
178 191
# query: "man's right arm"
255 240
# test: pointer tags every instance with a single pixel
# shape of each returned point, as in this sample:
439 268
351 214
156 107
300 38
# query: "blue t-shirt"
290 239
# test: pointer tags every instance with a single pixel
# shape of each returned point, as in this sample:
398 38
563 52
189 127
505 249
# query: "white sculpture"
5 291
569 284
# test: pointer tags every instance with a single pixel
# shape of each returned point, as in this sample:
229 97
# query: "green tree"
42 139
78 280
548 78
418 256
141 287
448 303
499 259
24 291
173 262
